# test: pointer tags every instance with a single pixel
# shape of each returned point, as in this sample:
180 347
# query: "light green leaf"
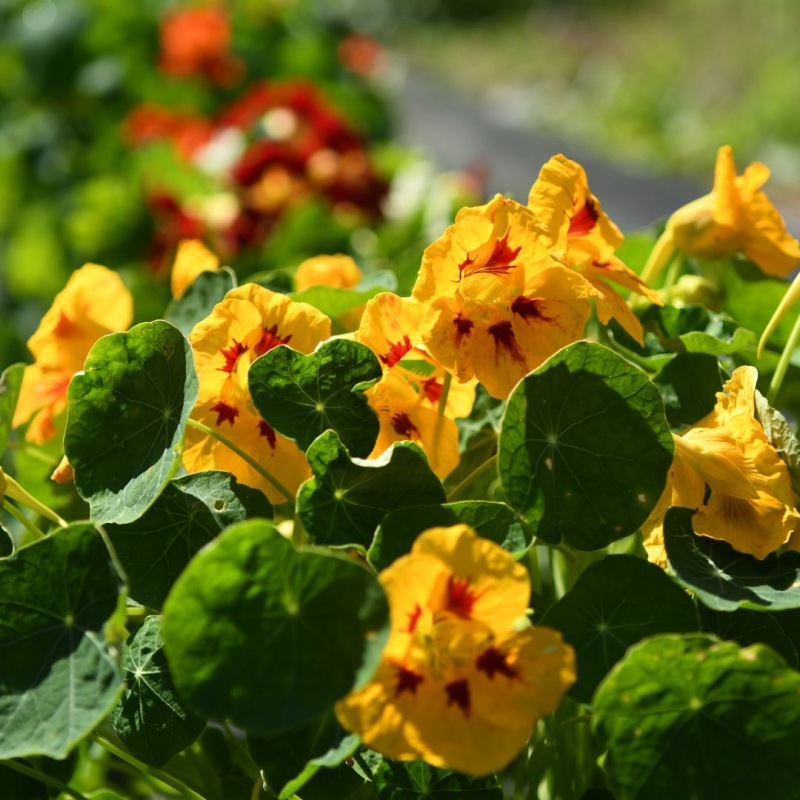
199 299
10 383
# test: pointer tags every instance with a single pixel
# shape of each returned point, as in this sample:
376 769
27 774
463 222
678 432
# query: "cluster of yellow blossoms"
464 676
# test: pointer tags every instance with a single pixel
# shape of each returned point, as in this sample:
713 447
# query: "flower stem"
44 778
490 463
783 363
440 409
249 460
16 492
164 777
24 521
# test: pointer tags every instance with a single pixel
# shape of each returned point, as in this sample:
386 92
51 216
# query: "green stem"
673 271
490 463
44 778
248 459
164 777
440 409
24 521
783 363
16 492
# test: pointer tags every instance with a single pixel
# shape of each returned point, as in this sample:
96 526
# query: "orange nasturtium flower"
192 258
579 233
463 677
339 270
498 303
93 303
248 322
406 399
736 217
727 469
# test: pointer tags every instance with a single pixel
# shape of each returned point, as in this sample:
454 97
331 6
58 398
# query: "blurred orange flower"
192 258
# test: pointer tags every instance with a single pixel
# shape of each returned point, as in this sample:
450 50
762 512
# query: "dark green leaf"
339 783
188 514
10 383
585 448
688 385
783 439
17 786
301 396
694 717
399 529
58 674
346 499
748 627
126 420
417 780
200 297
615 603
724 578
265 635
150 718
290 758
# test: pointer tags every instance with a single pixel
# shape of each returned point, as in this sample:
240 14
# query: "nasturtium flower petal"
192 258
462 680
336 270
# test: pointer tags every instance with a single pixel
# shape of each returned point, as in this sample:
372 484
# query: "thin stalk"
248 459
24 521
164 777
783 363
673 271
490 463
16 492
440 408
44 778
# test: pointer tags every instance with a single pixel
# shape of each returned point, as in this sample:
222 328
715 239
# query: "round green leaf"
301 396
724 578
336 300
399 529
694 717
126 420
585 448
265 635
347 498
199 299
689 385
150 718
58 674
188 514
417 780
615 603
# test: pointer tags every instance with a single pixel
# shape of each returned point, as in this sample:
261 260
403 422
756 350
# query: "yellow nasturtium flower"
248 322
581 235
192 258
93 303
497 302
339 271
736 217
727 469
463 677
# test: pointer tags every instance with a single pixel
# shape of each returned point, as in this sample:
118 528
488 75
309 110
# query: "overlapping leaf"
301 396
585 447
692 717
199 299
188 514
58 673
347 498
615 603
126 420
269 636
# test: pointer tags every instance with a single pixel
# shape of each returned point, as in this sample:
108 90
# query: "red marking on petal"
503 335
527 307
396 351
407 681
404 426
498 263
584 219
270 339
492 661
458 694
432 389
225 412
231 355
463 328
461 598
265 430
413 619
64 327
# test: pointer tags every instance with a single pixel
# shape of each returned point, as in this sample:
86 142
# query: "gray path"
456 131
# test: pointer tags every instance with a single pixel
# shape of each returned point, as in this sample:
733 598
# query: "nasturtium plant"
127 417
200 297
302 396
691 716
347 498
60 601
585 447
251 598
10 383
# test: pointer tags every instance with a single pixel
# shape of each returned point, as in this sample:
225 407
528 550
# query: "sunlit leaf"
199 299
